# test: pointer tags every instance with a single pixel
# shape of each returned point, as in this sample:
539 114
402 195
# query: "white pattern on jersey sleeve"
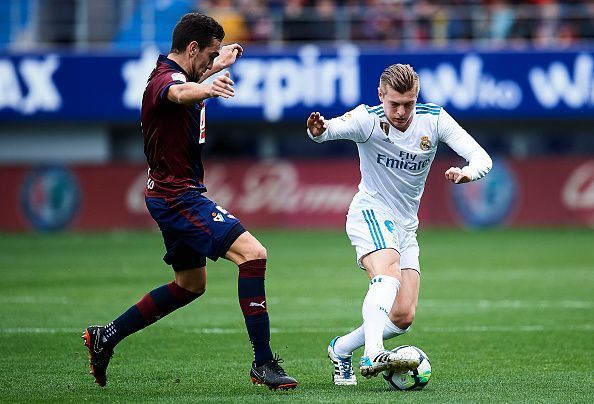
450 132
356 125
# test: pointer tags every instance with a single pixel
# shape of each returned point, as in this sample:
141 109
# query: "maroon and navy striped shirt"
174 135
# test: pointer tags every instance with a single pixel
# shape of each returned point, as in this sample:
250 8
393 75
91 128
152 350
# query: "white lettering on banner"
473 89
135 74
37 75
218 189
135 195
578 191
556 85
277 84
10 92
267 188
275 188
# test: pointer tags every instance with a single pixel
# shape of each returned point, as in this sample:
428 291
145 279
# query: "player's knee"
194 284
199 290
257 252
403 320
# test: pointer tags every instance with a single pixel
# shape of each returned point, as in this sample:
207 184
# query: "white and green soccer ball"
413 379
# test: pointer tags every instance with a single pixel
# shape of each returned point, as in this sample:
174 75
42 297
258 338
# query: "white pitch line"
308 330
509 304
423 303
33 300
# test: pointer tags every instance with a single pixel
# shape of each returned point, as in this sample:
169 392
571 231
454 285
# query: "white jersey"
394 165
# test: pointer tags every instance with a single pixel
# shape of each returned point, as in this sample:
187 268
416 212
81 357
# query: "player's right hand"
316 124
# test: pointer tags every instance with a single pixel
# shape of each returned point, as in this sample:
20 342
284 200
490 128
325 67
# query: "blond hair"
401 78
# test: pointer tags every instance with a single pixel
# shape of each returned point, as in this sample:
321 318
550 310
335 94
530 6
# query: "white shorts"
371 228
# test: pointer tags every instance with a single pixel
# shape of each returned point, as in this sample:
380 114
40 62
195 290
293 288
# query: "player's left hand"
222 86
457 175
227 56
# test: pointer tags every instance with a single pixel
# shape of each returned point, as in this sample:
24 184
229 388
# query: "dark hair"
195 27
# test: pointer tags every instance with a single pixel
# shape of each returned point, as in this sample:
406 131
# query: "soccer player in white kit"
397 141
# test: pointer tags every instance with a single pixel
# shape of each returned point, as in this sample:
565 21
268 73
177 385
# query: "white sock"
355 339
376 306
346 344
391 330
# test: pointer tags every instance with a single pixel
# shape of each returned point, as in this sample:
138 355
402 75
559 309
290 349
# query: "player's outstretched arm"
191 93
316 124
228 55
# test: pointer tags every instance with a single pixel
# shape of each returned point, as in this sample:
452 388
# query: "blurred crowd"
407 23
399 23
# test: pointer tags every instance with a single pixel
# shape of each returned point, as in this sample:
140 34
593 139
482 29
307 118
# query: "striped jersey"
174 135
394 165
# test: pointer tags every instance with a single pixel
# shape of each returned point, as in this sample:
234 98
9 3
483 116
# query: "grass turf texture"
505 316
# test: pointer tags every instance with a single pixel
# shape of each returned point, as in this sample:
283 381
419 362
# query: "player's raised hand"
316 124
227 56
222 86
457 175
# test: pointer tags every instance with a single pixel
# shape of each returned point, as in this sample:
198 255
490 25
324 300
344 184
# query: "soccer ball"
413 379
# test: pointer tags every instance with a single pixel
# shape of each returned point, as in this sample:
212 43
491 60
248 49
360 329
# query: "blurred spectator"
225 12
57 20
382 22
324 20
258 20
424 13
460 18
501 20
296 21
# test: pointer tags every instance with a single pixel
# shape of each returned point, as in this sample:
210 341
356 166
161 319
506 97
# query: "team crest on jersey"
425 143
178 77
385 126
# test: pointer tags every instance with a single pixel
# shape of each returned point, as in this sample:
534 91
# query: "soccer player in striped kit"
193 226
397 141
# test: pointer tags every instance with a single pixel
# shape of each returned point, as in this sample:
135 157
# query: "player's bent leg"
397 323
383 267
404 309
101 340
246 248
193 280
250 256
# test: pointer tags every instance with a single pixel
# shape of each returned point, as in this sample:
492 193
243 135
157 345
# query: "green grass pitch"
505 316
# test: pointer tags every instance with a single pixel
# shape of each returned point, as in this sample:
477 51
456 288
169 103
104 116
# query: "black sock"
152 307
252 299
